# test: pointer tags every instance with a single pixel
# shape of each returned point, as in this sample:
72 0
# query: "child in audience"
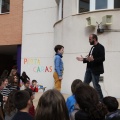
5 90
112 106
71 100
23 103
32 108
51 106
90 106
13 71
24 77
14 83
25 85
9 108
34 86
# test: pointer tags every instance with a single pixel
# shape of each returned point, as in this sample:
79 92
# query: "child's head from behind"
74 85
51 106
111 103
22 99
31 93
86 96
88 100
9 106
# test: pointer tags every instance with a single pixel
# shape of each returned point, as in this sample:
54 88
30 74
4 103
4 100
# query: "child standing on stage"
58 66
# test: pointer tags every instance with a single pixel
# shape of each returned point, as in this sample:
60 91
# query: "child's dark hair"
29 91
5 74
74 84
51 106
111 103
26 81
9 106
58 47
21 99
34 81
88 100
3 79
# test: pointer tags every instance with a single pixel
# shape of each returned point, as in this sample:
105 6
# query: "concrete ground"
37 96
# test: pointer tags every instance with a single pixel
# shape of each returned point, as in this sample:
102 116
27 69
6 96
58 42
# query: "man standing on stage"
94 61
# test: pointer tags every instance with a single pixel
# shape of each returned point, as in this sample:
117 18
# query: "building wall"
73 34
11 24
39 17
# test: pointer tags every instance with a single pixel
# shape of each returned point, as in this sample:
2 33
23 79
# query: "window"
92 5
84 5
116 3
5 6
101 4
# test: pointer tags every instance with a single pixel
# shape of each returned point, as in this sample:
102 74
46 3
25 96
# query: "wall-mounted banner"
35 63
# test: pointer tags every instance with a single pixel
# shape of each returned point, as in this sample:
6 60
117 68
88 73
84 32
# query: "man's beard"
92 43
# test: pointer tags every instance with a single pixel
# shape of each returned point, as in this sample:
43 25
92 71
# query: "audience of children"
13 83
17 103
51 106
32 96
8 86
5 90
23 103
9 108
71 100
112 107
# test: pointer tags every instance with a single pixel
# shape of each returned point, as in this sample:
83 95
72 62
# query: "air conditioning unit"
107 20
90 22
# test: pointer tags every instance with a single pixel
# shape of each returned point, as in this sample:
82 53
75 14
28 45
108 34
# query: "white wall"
39 39
75 40
39 17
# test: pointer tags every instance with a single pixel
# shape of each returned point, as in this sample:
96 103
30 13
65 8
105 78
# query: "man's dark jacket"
98 54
